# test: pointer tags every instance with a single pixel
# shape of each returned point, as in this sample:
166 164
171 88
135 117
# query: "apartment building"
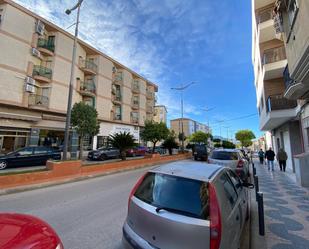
189 126
160 114
35 63
278 115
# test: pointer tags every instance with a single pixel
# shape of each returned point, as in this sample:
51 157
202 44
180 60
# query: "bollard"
254 170
261 213
257 189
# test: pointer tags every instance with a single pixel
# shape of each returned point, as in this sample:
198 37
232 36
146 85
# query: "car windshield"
224 155
175 194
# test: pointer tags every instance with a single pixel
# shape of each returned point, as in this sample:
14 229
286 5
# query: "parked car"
232 158
29 156
158 149
137 151
104 153
25 231
200 152
186 205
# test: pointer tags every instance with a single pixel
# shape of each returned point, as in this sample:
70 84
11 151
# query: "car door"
22 157
242 195
231 212
41 155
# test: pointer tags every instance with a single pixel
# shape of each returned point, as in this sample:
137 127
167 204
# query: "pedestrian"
270 156
261 156
282 157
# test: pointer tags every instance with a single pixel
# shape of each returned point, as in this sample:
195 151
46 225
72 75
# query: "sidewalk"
286 209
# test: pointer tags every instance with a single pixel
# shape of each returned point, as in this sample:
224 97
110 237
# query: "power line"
238 118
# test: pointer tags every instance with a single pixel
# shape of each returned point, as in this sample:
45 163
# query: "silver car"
186 205
232 158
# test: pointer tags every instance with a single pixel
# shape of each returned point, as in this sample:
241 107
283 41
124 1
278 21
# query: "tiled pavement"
286 208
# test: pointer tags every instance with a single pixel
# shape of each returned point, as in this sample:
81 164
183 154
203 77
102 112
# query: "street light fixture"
207 110
182 88
68 119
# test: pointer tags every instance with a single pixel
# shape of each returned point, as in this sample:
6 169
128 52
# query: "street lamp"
68 119
182 88
207 110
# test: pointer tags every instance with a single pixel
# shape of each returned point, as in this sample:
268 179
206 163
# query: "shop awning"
20 117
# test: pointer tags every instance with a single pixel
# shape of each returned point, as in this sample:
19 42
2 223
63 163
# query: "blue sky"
172 42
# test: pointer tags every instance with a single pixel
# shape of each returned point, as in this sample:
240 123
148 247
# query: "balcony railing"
38 100
42 71
47 44
264 15
274 55
88 65
134 120
278 102
118 77
117 97
135 103
135 86
149 95
288 81
88 86
117 117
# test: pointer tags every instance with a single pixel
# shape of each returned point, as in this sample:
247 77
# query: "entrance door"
287 148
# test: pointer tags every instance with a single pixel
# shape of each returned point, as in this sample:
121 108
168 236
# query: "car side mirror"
248 185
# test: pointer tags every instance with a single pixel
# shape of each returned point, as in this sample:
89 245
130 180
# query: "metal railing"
278 102
264 15
273 55
38 100
47 44
118 77
88 86
88 64
42 71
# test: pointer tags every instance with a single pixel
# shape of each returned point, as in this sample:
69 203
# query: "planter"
64 168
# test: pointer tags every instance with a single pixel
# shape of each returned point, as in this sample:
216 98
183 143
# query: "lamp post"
182 88
68 119
207 110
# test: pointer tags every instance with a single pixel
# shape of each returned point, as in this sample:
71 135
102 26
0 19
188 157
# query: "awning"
19 117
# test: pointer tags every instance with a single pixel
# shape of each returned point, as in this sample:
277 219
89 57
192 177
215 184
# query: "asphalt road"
86 214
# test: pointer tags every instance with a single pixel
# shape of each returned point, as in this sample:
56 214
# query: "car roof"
189 169
227 150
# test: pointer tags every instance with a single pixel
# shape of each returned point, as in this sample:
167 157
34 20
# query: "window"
118 112
41 150
224 155
180 195
25 151
229 189
235 179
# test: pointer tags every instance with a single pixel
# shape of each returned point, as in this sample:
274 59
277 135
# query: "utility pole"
69 106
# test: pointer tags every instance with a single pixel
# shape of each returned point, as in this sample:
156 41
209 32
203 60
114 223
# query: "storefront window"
102 141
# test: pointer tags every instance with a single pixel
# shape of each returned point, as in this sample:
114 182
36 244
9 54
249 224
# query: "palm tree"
122 141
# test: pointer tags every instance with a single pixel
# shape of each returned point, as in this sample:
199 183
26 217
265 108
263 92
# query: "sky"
174 42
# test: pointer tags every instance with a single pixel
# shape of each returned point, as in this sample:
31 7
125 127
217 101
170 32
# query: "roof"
189 169
228 150
81 42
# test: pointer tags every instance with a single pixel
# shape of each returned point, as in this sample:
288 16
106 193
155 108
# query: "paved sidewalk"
286 208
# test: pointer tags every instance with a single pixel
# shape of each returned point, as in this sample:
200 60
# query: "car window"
224 155
229 189
186 195
235 179
41 150
25 151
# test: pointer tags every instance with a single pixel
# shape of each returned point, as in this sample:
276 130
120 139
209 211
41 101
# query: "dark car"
104 153
137 151
29 156
200 152
158 149
25 231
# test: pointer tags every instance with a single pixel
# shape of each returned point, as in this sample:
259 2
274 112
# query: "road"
86 214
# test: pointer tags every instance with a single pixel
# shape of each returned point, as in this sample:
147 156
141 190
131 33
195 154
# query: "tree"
154 132
228 145
182 136
122 141
245 137
170 142
84 120
200 137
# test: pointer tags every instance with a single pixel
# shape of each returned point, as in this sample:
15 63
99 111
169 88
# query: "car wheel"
195 158
3 164
103 157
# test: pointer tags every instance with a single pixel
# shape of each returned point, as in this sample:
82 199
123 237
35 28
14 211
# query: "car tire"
195 158
103 157
3 165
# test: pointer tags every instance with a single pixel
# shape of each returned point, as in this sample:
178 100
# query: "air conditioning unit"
36 52
30 88
39 27
30 81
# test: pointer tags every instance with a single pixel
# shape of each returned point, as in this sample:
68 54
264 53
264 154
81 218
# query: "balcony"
116 98
262 3
117 117
118 78
88 66
46 47
278 111
135 86
135 104
149 95
149 109
42 74
87 88
265 22
274 61
36 100
293 89
134 119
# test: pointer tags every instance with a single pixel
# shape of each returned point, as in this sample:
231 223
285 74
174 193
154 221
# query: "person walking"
261 155
270 156
282 157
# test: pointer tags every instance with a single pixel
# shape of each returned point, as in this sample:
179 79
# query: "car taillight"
140 180
215 218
